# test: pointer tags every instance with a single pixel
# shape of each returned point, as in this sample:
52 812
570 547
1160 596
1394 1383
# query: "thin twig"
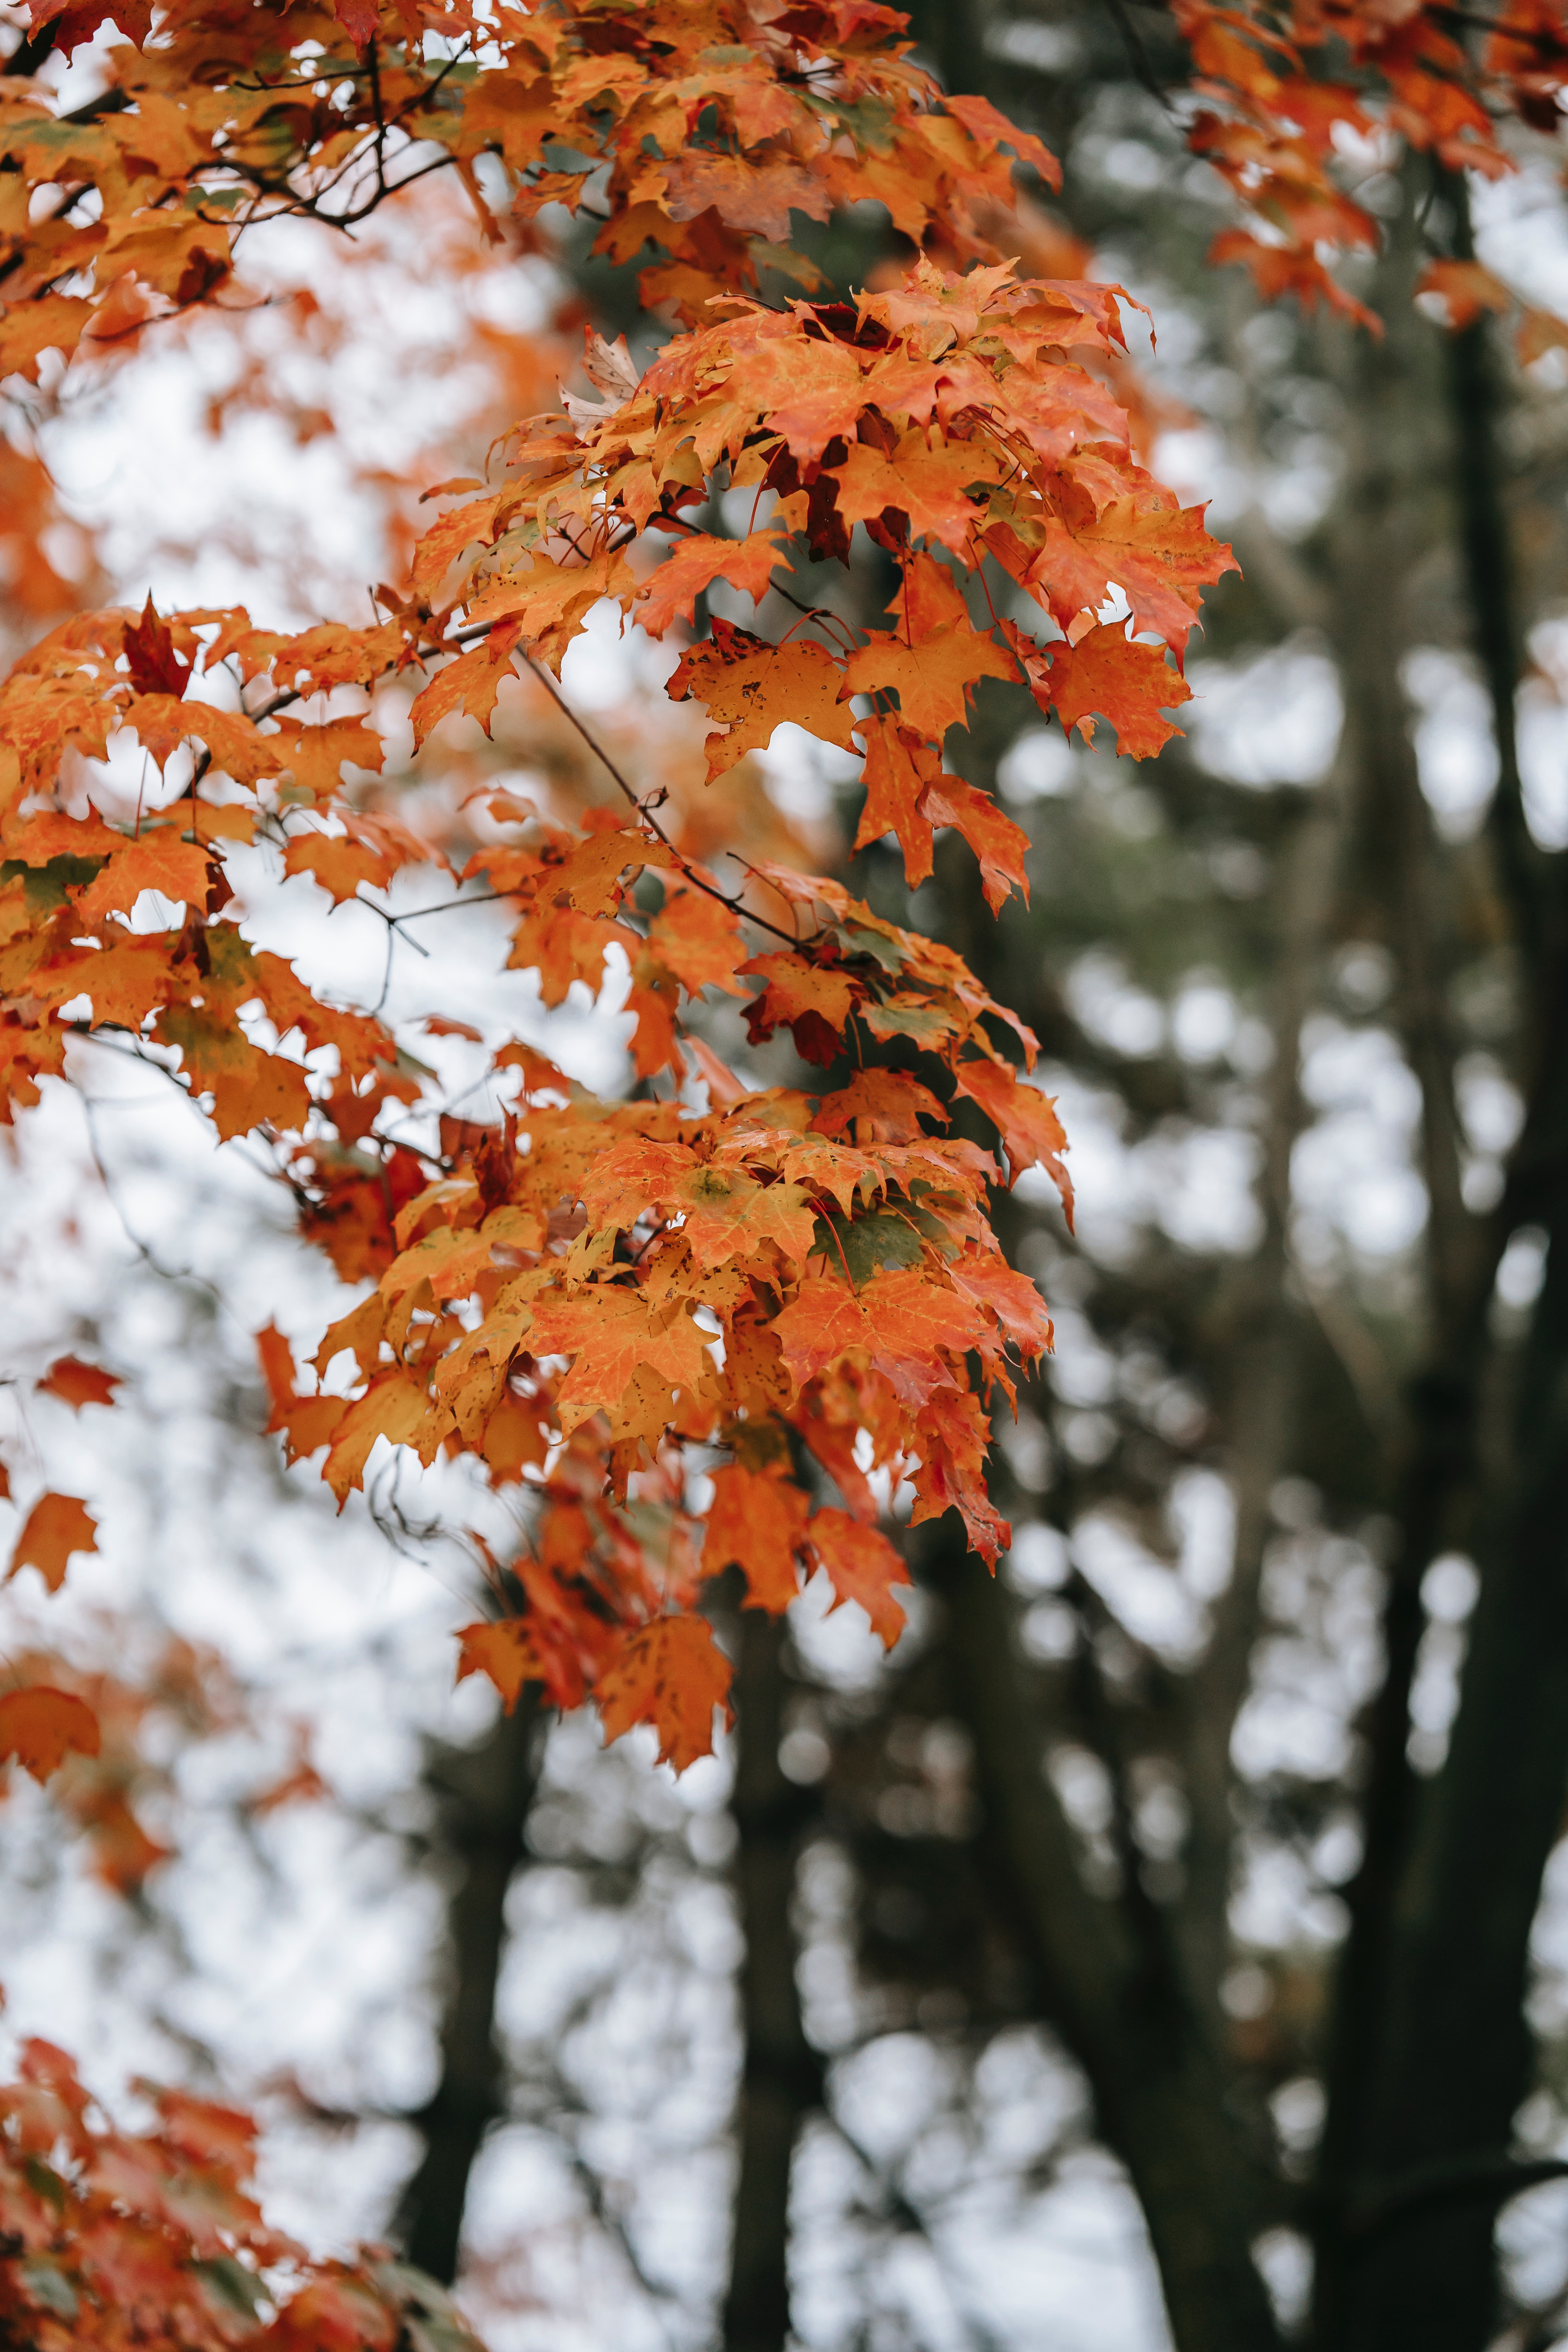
644 814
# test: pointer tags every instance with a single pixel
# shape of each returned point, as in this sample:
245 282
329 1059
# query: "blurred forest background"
1182 1907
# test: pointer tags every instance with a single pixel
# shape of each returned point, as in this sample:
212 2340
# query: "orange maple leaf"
861 1565
1024 1118
472 685
1158 552
825 1321
342 2313
56 1527
953 1433
729 1215
932 676
610 1332
756 1522
1008 1295
1129 684
39 1726
75 1383
505 1650
695 563
672 1673
899 766
752 688
925 484
161 861
882 1105
699 939
1465 288
589 877
811 999
248 1088
999 844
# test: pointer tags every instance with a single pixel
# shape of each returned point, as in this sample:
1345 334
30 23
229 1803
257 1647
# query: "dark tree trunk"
484 1794
781 2074
1113 1985
1434 2053
1458 2056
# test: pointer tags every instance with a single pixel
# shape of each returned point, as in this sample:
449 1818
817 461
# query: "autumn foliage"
706 1325
114 2239
1287 93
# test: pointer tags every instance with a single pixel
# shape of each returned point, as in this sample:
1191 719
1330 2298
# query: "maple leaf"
1011 1296
861 1565
926 485
999 844
155 665
1463 288
924 1330
1539 332
358 18
48 322
1024 1118
755 196
729 1215
506 1652
811 999
755 1522
75 1383
610 1332
952 1432
38 1728
342 2314
1159 553
695 563
337 861
56 1527
724 1087
160 860
929 670
699 939
588 878
547 602
248 1088
835 1169
470 685
861 1244
632 1175
672 1673
396 1406
899 766
752 688
824 1322
882 1105
1106 672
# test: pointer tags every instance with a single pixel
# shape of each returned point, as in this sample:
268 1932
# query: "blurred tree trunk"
1438 2046
1114 1986
781 2077
483 1795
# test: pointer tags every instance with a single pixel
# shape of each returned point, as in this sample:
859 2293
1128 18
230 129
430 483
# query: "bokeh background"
260 1889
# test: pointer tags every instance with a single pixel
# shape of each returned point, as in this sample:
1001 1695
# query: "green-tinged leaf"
853 939
49 2285
232 2286
861 1244
44 887
44 2180
431 2320
903 1018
